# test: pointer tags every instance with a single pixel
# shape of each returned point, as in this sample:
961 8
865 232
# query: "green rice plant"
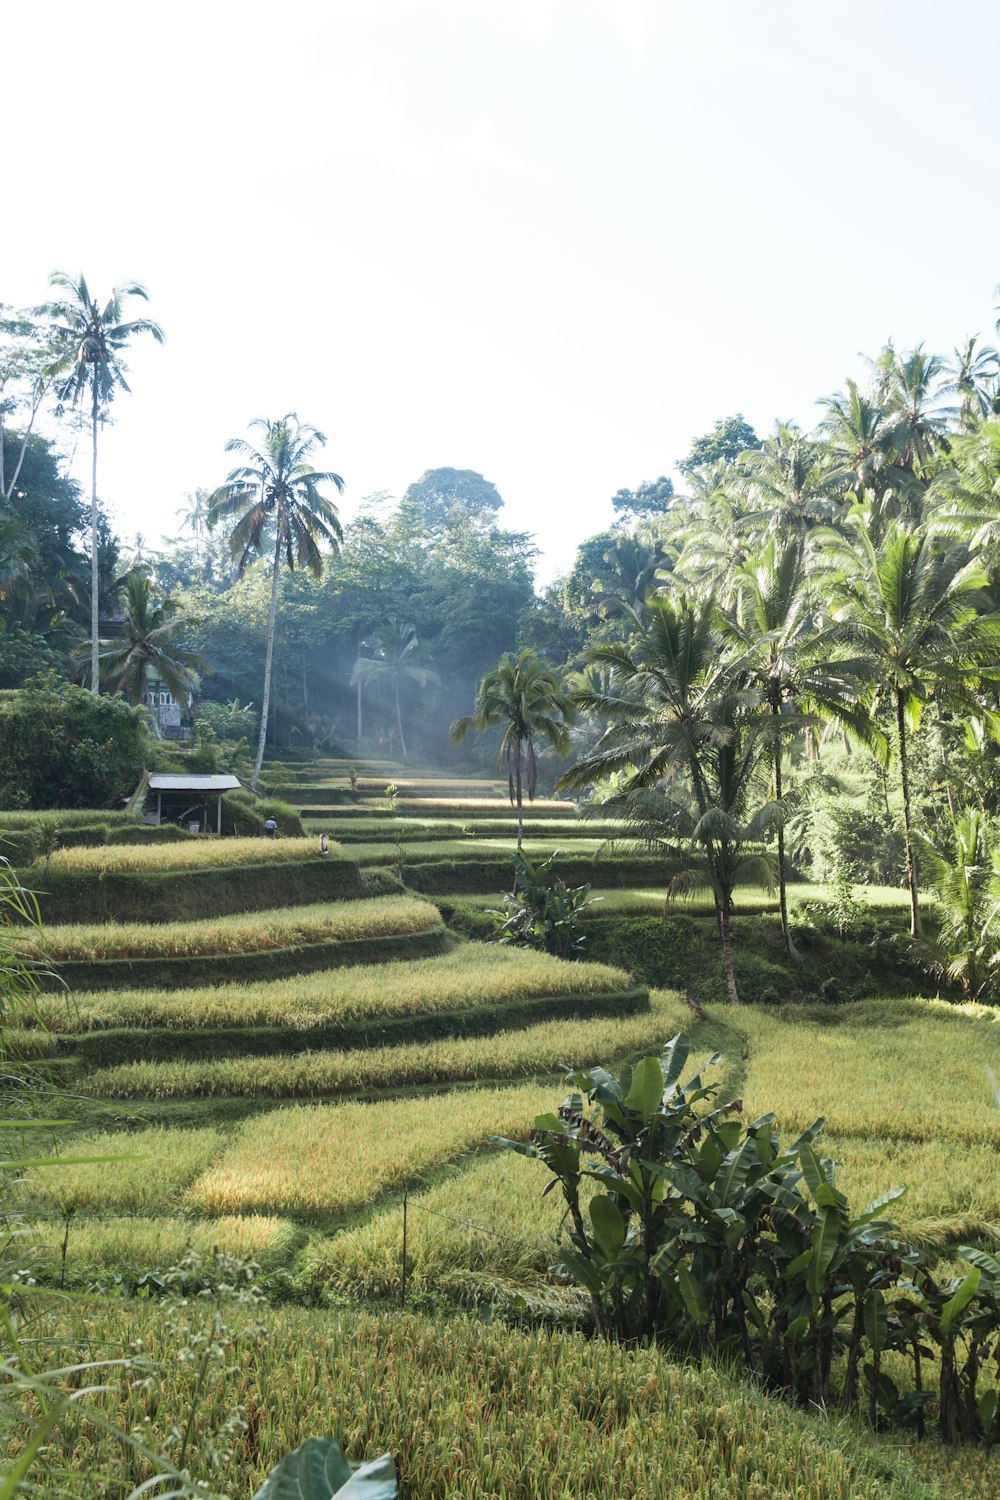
474 850
480 1409
486 1222
885 1070
951 1196
473 975
529 1052
284 927
325 1159
94 1246
152 1168
194 855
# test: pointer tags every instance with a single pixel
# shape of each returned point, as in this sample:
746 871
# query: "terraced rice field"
300 1159
472 976
255 932
199 854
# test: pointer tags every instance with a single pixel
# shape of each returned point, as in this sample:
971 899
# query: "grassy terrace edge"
105 1048
268 963
179 895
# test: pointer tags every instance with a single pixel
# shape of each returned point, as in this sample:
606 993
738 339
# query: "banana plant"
318 1470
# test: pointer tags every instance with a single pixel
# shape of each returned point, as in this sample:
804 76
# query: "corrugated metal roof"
160 782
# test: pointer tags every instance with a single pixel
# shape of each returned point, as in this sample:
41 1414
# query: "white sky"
550 240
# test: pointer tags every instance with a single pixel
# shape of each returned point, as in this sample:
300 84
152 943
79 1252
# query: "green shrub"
245 815
20 846
60 745
83 835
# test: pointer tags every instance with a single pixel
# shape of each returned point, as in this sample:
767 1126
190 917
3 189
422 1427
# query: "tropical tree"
911 605
777 648
89 366
527 700
629 569
963 870
148 645
397 656
274 497
974 377
859 434
789 486
694 745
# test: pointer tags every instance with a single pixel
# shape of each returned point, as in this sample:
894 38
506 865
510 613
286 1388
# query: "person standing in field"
271 828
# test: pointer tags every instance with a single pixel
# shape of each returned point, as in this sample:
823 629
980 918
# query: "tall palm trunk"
904 779
399 724
519 796
786 931
95 621
724 914
272 617
361 712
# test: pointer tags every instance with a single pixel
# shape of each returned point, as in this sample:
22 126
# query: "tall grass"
471 976
282 927
149 1170
199 854
528 1052
328 1159
480 1410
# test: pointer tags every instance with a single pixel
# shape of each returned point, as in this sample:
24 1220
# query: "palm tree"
527 699
629 570
147 646
398 656
911 606
778 648
274 496
694 743
975 379
860 436
89 364
788 486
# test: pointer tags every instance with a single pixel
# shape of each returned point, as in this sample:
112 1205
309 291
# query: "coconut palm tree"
89 365
776 647
911 605
859 434
274 497
788 486
397 656
526 699
974 377
693 742
147 646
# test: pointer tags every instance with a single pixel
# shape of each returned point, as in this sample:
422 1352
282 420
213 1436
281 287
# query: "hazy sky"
550 240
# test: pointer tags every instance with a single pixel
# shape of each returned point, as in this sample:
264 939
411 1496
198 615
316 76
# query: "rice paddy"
483 1410
137 1172
330 1159
199 854
284 927
282 1163
886 1070
530 1052
118 1244
472 976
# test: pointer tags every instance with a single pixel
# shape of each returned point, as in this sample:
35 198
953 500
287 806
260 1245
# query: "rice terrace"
500 976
